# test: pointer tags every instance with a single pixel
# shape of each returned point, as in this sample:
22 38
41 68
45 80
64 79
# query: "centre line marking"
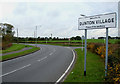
42 58
50 53
15 70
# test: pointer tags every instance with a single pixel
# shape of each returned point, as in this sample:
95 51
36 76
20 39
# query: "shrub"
102 51
113 74
93 46
6 45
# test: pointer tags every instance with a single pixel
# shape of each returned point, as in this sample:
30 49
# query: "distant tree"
101 37
78 38
38 38
7 29
7 34
46 38
109 37
72 38
50 38
54 38
30 39
57 38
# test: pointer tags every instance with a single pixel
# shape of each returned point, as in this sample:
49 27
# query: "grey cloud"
61 19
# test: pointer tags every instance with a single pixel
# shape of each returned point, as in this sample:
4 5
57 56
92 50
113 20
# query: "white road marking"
67 68
42 58
69 48
52 52
15 70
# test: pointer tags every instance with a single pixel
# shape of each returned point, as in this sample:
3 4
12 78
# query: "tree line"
44 38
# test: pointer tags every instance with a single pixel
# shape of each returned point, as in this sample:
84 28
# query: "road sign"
97 21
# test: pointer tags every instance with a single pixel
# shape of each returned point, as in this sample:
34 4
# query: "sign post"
97 22
85 52
106 58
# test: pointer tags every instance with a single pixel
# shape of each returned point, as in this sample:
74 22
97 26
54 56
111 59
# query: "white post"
106 58
85 52
82 43
46 40
17 35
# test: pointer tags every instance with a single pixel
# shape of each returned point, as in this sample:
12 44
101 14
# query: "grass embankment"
11 56
15 47
94 68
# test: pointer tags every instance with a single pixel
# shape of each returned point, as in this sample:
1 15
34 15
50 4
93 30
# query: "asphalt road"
46 65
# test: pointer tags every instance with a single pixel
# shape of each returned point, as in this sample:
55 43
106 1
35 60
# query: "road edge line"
69 67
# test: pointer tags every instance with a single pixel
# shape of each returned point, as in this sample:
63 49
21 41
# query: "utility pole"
35 33
36 36
51 36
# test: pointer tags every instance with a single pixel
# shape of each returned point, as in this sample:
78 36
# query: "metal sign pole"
106 58
85 52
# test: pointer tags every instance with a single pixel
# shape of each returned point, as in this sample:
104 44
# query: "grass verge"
15 47
11 56
94 68
69 45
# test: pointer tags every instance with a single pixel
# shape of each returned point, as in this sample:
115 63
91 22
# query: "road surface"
46 65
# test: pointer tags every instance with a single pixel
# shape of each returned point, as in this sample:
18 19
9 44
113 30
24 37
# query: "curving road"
45 65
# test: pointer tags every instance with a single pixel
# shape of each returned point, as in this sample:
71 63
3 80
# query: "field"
112 41
94 68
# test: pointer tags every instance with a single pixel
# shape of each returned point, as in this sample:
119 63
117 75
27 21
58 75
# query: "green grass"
94 68
15 47
5 57
88 40
70 45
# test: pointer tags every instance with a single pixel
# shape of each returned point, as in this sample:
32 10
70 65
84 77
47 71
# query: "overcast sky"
58 18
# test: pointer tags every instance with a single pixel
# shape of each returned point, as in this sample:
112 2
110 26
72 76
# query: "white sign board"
97 21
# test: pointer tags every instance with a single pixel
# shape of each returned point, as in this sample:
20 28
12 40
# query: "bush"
113 74
93 46
102 51
114 67
6 45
